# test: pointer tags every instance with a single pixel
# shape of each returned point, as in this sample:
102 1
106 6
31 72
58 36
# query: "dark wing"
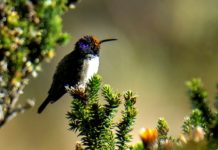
66 74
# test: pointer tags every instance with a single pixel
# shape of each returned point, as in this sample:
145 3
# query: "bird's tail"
43 105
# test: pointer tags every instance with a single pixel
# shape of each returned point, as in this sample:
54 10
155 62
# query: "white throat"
89 68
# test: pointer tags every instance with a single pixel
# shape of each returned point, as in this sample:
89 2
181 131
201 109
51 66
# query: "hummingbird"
76 67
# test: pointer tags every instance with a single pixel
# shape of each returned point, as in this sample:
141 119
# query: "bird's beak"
106 40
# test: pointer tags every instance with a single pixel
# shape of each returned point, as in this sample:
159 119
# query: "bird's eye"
83 45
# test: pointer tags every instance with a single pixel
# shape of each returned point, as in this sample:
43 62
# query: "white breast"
90 67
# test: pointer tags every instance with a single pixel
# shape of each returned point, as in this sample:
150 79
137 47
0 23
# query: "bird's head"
90 45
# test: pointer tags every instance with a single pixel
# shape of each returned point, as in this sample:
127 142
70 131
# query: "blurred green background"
161 45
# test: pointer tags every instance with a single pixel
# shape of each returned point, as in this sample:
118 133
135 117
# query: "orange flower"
148 136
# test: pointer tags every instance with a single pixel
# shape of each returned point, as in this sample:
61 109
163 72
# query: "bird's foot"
79 90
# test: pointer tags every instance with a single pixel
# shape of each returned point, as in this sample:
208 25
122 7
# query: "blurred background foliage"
29 31
161 45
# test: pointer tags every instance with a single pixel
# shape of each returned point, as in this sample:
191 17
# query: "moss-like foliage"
95 121
198 97
199 130
29 32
